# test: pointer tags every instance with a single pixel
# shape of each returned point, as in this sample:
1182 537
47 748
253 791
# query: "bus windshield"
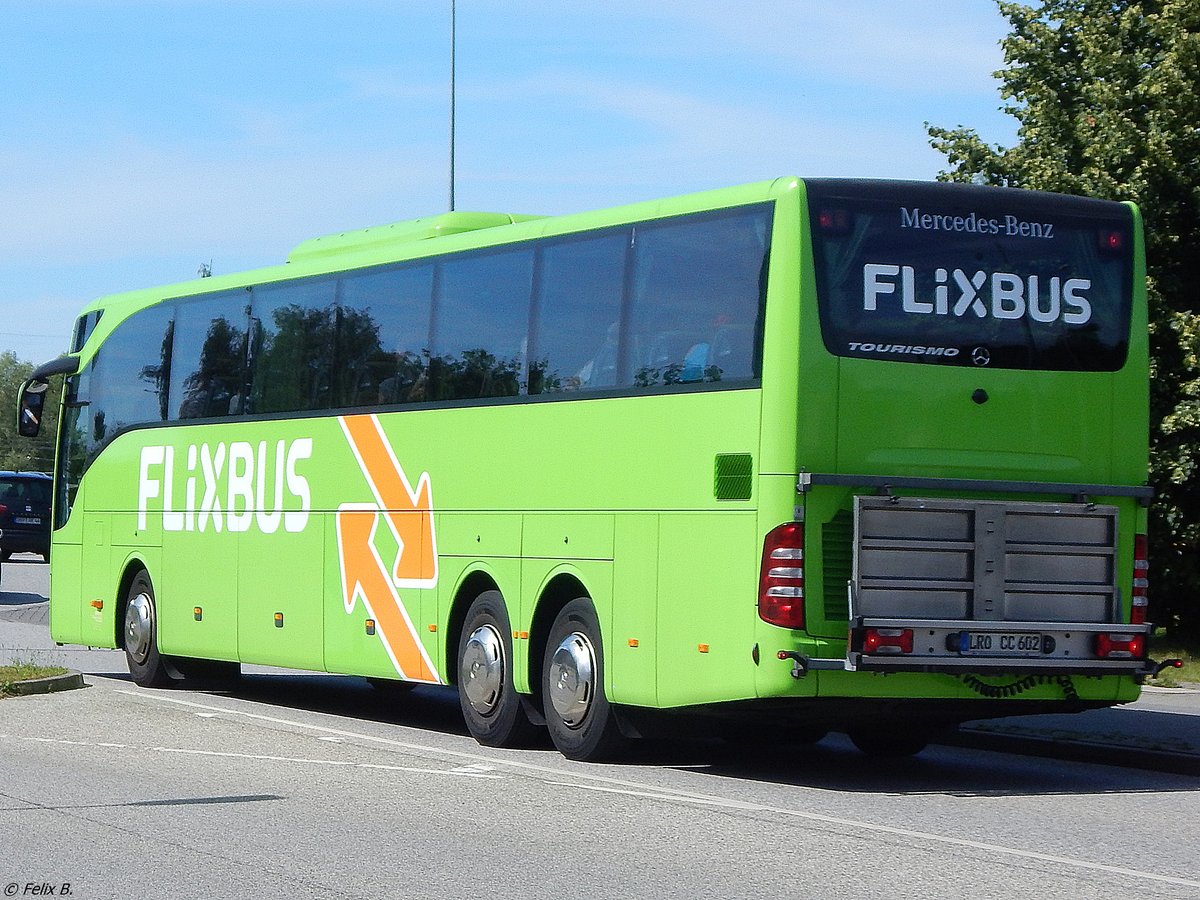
984 277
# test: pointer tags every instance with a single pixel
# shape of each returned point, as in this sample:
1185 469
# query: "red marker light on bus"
1112 241
835 221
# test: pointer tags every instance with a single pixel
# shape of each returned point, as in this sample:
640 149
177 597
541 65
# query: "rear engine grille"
837 546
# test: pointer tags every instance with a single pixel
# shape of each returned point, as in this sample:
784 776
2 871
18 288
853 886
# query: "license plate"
1000 643
26 520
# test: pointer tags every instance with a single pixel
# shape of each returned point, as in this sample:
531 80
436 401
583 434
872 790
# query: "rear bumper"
1065 648
20 540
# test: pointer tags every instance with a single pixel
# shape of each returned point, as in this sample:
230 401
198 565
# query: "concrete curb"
1105 754
68 681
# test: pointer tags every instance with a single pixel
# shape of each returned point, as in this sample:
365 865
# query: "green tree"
1107 97
18 453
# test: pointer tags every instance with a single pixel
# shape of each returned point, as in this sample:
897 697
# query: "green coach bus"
802 455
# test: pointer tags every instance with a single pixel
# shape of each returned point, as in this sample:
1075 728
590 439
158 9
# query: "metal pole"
452 24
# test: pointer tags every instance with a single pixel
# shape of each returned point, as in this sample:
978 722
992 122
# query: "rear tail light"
781 579
1120 646
3 509
888 640
1141 580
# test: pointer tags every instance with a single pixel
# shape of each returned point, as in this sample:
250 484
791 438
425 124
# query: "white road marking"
671 794
324 762
474 769
652 795
464 771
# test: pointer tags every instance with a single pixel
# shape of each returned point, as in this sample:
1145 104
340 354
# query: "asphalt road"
317 786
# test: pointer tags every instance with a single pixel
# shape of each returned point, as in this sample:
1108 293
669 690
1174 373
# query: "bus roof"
411 239
454 231
379 236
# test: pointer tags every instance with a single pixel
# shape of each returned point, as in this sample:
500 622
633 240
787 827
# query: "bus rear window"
972 276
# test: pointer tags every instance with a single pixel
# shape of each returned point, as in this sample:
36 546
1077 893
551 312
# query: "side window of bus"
480 316
208 377
575 325
129 375
698 288
383 336
293 332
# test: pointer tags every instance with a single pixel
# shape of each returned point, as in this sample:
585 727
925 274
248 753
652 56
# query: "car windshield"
31 490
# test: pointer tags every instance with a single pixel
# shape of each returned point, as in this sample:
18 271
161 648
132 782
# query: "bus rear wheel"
146 666
581 722
490 704
890 744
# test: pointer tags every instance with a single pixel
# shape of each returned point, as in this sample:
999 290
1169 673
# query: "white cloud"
927 46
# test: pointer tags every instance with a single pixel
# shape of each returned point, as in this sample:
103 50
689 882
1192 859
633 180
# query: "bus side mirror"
30 402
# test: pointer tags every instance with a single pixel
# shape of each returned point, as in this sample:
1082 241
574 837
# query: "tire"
490 704
889 744
140 635
581 722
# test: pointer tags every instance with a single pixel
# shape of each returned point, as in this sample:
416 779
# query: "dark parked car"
24 513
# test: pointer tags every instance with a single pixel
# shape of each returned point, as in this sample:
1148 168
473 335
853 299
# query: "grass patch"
25 672
1163 647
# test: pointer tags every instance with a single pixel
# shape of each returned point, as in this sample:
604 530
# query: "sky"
140 140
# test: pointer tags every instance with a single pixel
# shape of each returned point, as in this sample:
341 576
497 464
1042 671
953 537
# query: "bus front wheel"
490 705
581 722
146 666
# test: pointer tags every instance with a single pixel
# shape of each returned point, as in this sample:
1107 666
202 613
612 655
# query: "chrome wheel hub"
139 627
481 676
572 679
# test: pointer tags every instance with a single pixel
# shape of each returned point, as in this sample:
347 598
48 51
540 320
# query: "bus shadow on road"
427 707
834 764
831 764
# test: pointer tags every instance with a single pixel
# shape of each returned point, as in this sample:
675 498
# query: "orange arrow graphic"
364 576
409 512
409 515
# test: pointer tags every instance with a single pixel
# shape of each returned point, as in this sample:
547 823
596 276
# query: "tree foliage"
1107 97
18 453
